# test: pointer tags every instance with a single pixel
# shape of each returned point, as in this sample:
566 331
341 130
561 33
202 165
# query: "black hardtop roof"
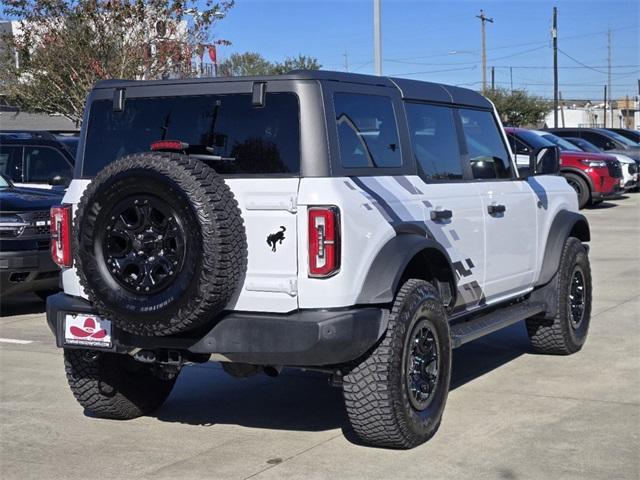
409 89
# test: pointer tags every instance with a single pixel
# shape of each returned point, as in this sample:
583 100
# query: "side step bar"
477 327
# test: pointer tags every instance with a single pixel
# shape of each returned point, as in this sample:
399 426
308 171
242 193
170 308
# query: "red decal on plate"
88 330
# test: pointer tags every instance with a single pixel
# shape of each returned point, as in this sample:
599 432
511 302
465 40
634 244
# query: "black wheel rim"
144 244
577 297
423 364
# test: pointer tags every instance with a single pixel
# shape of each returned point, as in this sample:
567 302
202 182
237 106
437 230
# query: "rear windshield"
226 131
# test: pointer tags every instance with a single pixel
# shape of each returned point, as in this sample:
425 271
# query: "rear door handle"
439 215
496 209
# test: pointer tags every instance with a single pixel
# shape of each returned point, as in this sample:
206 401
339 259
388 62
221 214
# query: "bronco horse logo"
274 238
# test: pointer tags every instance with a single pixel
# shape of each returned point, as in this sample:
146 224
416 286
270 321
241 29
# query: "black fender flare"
561 228
385 272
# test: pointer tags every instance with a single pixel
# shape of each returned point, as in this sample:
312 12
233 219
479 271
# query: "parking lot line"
15 340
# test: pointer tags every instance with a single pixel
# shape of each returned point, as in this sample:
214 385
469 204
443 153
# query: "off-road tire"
115 386
558 335
375 391
214 247
581 188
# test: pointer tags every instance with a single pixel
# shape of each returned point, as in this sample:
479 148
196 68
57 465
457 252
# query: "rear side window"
248 139
435 142
45 163
598 140
11 162
367 131
487 152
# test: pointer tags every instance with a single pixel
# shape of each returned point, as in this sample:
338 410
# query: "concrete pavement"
511 414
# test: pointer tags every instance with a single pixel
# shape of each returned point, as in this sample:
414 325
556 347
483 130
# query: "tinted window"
564 145
620 139
487 152
71 144
44 163
584 145
600 141
367 131
225 130
517 146
435 142
11 162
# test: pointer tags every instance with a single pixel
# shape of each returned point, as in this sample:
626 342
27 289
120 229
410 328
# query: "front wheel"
581 188
396 396
567 331
116 386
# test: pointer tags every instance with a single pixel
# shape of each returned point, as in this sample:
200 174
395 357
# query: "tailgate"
269 210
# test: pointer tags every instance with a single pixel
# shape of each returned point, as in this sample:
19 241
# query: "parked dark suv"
633 135
605 140
38 159
25 260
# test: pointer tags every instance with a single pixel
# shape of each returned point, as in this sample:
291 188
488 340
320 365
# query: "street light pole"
377 37
484 20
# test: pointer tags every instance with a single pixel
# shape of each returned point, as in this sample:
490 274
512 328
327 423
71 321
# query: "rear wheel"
581 188
567 331
396 396
115 386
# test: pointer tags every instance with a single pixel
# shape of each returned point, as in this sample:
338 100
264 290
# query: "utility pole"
493 79
484 20
377 37
554 36
346 60
561 108
609 75
604 108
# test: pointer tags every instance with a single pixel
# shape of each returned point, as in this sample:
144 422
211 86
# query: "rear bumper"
301 338
27 271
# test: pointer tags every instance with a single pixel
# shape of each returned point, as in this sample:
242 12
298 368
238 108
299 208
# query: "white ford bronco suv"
357 225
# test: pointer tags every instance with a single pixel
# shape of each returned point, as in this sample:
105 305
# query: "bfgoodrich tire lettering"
567 331
115 386
377 393
209 258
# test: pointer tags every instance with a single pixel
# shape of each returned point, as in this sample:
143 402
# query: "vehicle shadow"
304 400
21 304
602 206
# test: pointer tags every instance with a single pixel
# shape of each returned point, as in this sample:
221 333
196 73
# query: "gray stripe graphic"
405 183
391 200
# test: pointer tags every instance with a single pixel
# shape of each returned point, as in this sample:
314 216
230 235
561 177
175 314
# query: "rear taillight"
324 241
61 235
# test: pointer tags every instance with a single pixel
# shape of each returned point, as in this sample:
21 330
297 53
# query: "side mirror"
609 146
59 180
544 161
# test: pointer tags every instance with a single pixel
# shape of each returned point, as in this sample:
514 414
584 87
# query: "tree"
252 63
301 62
519 108
65 47
243 64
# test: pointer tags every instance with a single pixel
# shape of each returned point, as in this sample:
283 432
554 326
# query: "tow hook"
167 357
145 356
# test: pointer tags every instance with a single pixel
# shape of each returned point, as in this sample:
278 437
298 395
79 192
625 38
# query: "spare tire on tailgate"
161 245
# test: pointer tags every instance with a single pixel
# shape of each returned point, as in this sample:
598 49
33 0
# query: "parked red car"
594 176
